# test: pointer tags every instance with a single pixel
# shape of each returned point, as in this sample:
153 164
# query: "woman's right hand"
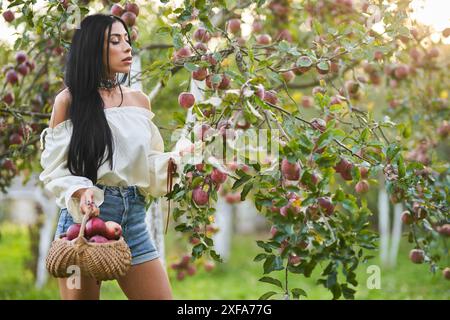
87 204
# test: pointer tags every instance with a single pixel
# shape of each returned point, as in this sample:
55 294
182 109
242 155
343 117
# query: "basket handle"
86 217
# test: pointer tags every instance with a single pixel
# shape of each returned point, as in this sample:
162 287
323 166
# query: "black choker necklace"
108 84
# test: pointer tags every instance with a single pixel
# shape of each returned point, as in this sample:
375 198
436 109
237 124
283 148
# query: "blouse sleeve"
158 162
56 176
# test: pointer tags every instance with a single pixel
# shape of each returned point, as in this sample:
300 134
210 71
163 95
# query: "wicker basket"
101 261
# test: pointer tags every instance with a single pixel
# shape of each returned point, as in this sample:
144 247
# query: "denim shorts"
126 206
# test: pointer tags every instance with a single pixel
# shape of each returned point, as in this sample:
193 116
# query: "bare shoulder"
60 108
138 98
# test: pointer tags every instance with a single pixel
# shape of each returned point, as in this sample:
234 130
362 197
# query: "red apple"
271 97
202 35
73 231
319 124
225 83
186 100
407 218
362 187
326 205
284 35
23 69
201 47
288 76
401 71
263 39
307 101
290 171
98 239
132 7
209 265
8 15
117 10
95 226
113 230
8 98
234 25
181 275
446 273
417 256
257 26
294 259
233 197
210 58
191 270
21 57
200 196
129 18
218 177
15 138
11 77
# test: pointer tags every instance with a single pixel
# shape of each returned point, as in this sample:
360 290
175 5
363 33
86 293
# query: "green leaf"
267 295
271 280
297 292
246 190
260 257
273 263
304 61
240 182
190 66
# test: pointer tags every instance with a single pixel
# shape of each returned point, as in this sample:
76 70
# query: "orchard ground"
237 279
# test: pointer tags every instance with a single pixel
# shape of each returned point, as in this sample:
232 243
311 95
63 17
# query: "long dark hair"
84 70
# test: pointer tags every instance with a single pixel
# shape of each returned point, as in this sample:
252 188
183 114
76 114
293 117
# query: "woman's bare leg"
86 289
146 281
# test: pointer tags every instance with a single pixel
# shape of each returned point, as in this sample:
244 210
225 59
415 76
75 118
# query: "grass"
238 279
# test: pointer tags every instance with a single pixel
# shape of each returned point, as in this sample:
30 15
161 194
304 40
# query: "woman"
95 114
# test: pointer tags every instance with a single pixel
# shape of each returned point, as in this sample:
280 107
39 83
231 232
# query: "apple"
30 65
234 25
362 187
233 197
8 15
185 261
218 177
446 273
364 171
433 53
200 196
186 100
444 230
307 101
181 275
202 35
200 167
401 71
294 259
8 98
326 205
273 231
98 239
271 97
323 67
11 77
378 55
194 240
191 270
407 218
184 52
284 35
132 7
73 231
134 33
225 83
129 18
95 226
113 230
209 265
290 171
263 39
21 57
15 138
257 26
210 58
23 69
319 124
117 10
417 256
288 76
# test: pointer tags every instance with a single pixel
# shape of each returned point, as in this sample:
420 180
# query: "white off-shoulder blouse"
138 159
